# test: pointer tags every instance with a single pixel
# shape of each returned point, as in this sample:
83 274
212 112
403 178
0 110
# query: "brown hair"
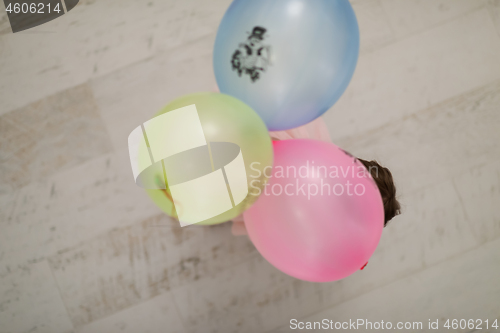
385 183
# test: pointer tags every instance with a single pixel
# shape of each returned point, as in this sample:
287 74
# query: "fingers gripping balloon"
290 60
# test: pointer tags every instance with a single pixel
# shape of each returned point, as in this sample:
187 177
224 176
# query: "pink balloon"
321 215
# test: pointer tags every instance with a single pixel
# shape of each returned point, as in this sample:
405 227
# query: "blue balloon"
290 60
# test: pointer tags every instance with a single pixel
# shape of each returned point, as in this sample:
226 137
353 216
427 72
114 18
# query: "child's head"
385 183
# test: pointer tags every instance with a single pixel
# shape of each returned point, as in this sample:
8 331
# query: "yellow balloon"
227 124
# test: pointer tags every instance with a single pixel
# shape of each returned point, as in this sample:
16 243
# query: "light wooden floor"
82 249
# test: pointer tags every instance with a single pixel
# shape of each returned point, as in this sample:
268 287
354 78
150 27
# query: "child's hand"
238 228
